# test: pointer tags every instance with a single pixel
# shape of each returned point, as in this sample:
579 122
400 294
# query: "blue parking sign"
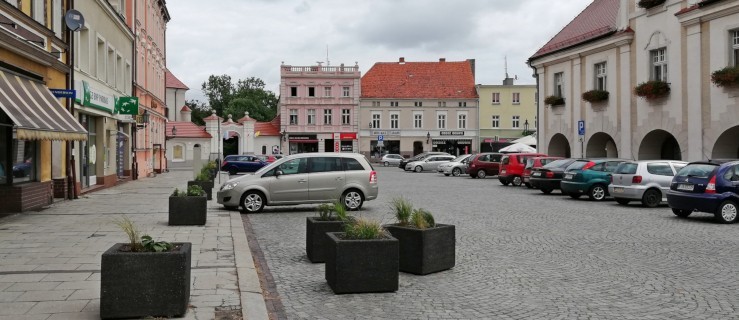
581 127
380 137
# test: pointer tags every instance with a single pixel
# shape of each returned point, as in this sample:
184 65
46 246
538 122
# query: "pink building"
319 108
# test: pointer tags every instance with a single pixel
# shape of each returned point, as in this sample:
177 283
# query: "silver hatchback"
647 181
303 179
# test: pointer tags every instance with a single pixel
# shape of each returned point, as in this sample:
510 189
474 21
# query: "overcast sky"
251 38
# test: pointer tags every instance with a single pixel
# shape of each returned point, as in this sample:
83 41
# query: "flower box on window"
726 77
648 4
595 96
554 101
654 89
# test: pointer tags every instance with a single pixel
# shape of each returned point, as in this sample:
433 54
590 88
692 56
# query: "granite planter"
187 211
424 251
361 266
206 185
316 240
145 284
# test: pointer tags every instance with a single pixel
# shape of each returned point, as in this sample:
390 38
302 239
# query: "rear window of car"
351 164
626 168
495 158
530 163
545 161
556 163
577 165
504 160
660 169
699 170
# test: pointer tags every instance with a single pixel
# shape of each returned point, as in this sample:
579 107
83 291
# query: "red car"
512 165
533 163
484 164
269 158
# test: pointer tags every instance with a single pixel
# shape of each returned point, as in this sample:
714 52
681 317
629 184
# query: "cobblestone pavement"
523 255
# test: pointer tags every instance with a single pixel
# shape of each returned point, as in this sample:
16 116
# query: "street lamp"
284 135
526 127
174 131
428 137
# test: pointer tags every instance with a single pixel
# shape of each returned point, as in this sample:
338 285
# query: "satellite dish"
74 20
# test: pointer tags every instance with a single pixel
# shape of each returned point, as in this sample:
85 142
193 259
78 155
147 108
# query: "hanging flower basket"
652 89
648 4
726 77
554 101
595 96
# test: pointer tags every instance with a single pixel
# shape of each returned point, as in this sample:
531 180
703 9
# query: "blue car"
706 187
241 163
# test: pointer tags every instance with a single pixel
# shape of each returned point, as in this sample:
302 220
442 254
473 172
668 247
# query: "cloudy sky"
251 38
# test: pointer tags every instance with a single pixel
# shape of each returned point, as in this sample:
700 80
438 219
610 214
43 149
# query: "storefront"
455 146
341 142
493 144
303 143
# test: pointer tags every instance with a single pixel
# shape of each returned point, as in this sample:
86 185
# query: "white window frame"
327 92
417 120
13 2
394 120
393 103
345 91
495 121
311 116
294 116
462 104
291 91
496 97
601 76
658 64
516 98
442 104
734 47
376 120
314 92
418 103
183 155
559 84
38 11
328 116
346 116
441 120
516 122
462 120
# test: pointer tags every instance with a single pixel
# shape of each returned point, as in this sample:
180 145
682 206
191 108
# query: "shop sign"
94 98
451 133
63 93
347 148
127 105
348 136
386 133
292 137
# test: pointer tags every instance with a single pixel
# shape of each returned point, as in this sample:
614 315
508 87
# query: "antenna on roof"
505 59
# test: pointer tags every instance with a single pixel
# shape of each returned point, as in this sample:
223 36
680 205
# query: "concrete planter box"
361 266
206 185
143 284
316 240
187 211
425 251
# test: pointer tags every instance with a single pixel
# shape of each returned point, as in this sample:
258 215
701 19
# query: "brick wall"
60 188
25 196
107 181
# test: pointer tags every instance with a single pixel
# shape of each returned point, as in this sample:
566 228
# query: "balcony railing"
320 69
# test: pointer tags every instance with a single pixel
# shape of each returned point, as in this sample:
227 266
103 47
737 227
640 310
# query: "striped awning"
35 112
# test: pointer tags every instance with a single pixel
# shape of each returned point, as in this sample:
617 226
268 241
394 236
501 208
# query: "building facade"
175 96
412 107
507 113
319 108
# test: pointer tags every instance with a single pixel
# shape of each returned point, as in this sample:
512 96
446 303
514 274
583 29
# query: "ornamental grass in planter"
363 258
726 77
204 179
188 208
554 101
595 96
654 89
425 246
144 278
648 4
331 218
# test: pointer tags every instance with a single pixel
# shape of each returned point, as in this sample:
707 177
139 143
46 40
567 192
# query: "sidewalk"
50 260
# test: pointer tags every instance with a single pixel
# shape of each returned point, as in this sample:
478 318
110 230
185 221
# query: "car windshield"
577 165
529 163
699 170
556 163
626 168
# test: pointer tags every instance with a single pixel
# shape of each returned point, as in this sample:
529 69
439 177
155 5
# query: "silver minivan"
303 179
647 181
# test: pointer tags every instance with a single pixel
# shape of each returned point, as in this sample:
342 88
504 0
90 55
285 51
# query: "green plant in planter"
146 243
554 101
594 96
422 219
331 218
202 176
653 89
647 4
402 209
364 229
726 77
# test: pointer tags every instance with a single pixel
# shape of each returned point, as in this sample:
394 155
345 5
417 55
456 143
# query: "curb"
253 306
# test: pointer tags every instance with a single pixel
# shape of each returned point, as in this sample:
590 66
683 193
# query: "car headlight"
229 186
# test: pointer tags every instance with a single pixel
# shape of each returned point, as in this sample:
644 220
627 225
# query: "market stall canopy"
35 112
527 140
518 147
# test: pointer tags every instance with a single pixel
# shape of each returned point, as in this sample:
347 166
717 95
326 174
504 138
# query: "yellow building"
507 113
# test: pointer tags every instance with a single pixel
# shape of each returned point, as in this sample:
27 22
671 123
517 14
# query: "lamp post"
526 127
174 131
428 137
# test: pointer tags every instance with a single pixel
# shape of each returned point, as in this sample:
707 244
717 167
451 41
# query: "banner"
127 105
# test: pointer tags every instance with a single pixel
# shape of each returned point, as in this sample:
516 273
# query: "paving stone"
59 306
52 295
15 308
33 286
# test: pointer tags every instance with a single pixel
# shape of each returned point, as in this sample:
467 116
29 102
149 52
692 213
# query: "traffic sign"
581 127
380 138
63 93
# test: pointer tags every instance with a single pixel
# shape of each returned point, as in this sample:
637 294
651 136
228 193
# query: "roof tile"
173 82
186 129
406 80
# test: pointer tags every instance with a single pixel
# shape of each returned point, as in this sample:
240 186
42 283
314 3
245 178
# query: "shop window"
24 161
178 153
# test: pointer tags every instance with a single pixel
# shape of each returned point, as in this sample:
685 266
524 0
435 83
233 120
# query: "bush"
647 4
192 191
726 77
364 229
554 101
402 209
652 89
422 219
594 96
146 244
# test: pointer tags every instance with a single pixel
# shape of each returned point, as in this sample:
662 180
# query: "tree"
246 95
199 111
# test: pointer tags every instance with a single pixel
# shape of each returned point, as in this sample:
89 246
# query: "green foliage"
364 229
131 231
150 245
422 219
726 77
340 210
325 211
195 191
554 101
594 96
646 4
198 111
334 211
402 209
652 89
246 95
203 176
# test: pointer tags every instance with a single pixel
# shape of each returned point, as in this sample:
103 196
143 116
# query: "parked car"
304 179
534 163
420 156
269 158
241 163
512 166
647 181
590 177
456 166
706 187
548 177
430 163
391 159
484 164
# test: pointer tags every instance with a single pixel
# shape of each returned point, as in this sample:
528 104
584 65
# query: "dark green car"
590 177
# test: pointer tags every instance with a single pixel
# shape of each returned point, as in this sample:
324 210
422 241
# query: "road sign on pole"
380 138
581 127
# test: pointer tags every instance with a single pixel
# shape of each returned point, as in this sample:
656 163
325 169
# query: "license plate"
618 190
686 187
502 172
568 176
536 174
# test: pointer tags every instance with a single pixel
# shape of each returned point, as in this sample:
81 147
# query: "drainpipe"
536 75
71 176
134 162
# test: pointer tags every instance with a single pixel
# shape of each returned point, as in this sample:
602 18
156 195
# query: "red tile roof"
271 128
213 117
185 108
173 82
598 19
407 80
186 130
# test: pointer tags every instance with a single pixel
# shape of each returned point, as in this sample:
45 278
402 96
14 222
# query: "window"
559 85
375 103
496 97
325 164
293 116
496 122
516 122
311 91
516 98
84 47
441 123
293 91
178 153
13 2
351 164
735 47
56 17
418 104
394 120
23 168
293 166
393 103
600 76
345 116
442 104
311 116
659 64
100 60
462 121
37 8
660 169
327 116
326 91
375 120
111 66
417 121
462 104
345 91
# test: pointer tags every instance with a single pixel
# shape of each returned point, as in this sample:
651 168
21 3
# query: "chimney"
472 66
185 115
623 15
442 60
401 60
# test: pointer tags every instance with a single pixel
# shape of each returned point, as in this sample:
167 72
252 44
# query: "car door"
327 178
661 173
430 163
293 185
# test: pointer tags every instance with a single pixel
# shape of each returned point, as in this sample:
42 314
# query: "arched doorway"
601 145
727 145
659 145
231 144
559 146
417 147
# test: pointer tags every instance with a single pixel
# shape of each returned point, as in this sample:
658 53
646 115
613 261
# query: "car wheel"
682 213
504 182
446 174
481 174
231 208
418 169
386 164
651 198
528 185
546 190
517 181
232 171
253 202
574 195
352 199
456 172
597 192
727 212
623 201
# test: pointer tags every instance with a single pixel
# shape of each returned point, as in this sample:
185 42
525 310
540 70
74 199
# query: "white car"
456 167
391 159
429 164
